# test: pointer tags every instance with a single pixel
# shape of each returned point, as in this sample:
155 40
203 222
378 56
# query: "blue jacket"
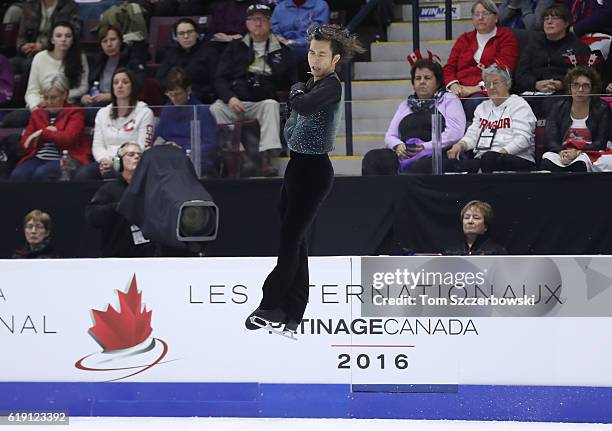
175 125
291 21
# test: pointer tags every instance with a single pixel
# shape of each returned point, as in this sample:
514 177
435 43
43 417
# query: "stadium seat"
8 38
21 84
337 17
89 38
540 140
232 157
152 94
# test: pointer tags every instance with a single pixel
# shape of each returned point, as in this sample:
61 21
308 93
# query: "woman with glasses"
547 58
477 50
502 133
578 128
37 232
51 130
176 118
197 58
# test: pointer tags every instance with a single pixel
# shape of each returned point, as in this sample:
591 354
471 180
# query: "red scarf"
299 3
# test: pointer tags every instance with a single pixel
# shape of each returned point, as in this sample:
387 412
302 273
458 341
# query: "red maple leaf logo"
124 329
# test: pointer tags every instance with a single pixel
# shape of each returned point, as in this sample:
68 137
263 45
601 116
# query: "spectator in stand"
578 128
119 238
53 128
181 7
63 55
7 80
476 50
292 18
228 21
113 56
35 28
593 24
502 133
175 120
476 220
195 56
408 139
126 119
531 20
12 11
548 57
250 72
37 232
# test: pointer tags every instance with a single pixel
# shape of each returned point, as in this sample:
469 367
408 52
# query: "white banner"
182 320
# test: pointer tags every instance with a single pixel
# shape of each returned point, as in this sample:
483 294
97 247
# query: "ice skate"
290 329
271 321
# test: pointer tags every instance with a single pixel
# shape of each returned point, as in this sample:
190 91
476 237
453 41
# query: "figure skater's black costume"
310 132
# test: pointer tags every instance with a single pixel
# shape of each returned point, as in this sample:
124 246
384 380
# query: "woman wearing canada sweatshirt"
125 120
502 133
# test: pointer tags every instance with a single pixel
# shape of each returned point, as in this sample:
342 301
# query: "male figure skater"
310 132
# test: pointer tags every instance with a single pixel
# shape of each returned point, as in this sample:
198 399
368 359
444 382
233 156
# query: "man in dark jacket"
119 237
251 71
196 57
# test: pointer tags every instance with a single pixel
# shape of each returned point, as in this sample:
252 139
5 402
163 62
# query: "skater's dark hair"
343 42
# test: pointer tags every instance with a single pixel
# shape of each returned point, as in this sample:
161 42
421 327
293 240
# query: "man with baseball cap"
251 70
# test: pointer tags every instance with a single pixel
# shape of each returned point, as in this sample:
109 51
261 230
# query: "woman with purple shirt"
408 140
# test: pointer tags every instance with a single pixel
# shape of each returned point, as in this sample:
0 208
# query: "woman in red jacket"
53 127
476 50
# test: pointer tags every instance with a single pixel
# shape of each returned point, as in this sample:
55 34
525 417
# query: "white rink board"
199 306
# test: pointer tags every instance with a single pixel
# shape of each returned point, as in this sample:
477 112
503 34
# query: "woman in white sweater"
125 120
64 56
502 133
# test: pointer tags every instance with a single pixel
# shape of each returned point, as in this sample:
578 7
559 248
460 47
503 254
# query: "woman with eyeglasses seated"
477 50
578 128
548 57
37 231
197 58
56 127
175 120
502 133
125 119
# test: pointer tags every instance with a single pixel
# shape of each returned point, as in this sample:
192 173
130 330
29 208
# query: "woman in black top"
577 127
37 231
310 132
476 219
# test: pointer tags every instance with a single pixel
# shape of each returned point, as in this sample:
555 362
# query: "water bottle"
95 89
65 166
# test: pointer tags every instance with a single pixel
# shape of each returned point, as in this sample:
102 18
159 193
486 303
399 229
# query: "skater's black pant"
308 180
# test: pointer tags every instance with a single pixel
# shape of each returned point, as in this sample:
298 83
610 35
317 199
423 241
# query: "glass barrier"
390 136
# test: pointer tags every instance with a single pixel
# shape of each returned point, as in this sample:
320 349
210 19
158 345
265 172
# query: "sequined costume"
310 132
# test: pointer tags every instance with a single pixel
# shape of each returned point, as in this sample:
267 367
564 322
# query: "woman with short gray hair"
502 133
477 50
51 130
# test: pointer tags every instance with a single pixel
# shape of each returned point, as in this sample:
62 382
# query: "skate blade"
267 325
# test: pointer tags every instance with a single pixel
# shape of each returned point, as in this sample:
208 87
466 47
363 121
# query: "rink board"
373 344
